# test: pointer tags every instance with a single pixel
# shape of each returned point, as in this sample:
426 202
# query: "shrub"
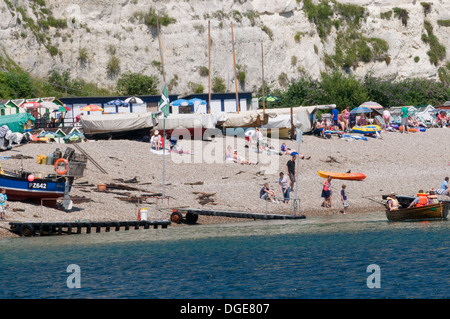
113 66
137 84
402 14
218 85
203 71
437 50
444 23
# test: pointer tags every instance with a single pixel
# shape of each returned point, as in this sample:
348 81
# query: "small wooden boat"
344 176
437 211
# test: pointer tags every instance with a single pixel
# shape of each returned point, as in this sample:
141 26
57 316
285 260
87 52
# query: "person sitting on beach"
441 119
156 140
267 194
229 154
443 189
238 160
432 198
392 202
420 200
362 120
319 128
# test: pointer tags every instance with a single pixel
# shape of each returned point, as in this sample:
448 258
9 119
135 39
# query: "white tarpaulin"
246 119
187 121
102 123
302 117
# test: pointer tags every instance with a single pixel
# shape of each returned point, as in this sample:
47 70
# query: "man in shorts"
404 124
291 170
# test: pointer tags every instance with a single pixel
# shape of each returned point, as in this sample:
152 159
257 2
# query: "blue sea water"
322 257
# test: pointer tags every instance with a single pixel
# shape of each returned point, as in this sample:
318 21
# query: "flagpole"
164 119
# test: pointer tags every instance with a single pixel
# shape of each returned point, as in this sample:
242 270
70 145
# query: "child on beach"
3 203
344 199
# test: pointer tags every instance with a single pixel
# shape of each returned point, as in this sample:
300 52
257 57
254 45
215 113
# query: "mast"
235 75
209 67
262 64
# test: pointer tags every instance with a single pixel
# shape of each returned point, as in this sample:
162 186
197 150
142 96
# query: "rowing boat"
345 176
437 211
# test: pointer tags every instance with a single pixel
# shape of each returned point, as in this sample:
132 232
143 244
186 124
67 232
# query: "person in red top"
441 119
420 200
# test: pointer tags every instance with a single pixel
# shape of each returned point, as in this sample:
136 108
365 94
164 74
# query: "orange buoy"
66 166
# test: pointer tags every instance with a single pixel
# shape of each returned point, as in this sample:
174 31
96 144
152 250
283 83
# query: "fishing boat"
437 211
19 186
344 176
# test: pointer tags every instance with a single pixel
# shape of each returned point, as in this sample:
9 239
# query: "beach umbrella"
118 102
361 109
91 108
181 102
197 100
31 105
62 108
372 105
73 136
270 98
134 100
49 105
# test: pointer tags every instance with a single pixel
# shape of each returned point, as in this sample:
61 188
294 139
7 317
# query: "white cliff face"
106 28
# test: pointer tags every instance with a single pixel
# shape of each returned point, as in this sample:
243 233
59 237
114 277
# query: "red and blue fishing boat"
19 186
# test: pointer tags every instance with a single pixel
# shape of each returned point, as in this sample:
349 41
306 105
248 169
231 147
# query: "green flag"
163 104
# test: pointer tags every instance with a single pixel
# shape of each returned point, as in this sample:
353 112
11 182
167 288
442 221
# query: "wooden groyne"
28 229
191 215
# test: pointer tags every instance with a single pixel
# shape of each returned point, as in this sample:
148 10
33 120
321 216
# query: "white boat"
117 124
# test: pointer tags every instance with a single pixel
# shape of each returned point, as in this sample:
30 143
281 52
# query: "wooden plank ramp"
27 229
191 215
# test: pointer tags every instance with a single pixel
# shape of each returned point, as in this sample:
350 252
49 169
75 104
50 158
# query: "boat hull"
344 176
19 188
428 212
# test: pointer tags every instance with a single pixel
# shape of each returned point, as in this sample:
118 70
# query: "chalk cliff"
97 40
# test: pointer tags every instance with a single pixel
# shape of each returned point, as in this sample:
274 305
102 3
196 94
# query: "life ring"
66 168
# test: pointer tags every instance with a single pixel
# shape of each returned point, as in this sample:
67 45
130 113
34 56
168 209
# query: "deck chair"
395 119
380 121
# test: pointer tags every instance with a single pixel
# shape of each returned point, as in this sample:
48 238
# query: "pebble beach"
400 163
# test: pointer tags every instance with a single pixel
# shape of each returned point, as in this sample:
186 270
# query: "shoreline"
401 163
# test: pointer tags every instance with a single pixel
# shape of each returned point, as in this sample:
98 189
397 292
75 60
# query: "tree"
137 84
343 90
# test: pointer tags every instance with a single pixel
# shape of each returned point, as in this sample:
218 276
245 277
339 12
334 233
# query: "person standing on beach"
326 193
404 123
344 199
284 188
3 203
291 170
